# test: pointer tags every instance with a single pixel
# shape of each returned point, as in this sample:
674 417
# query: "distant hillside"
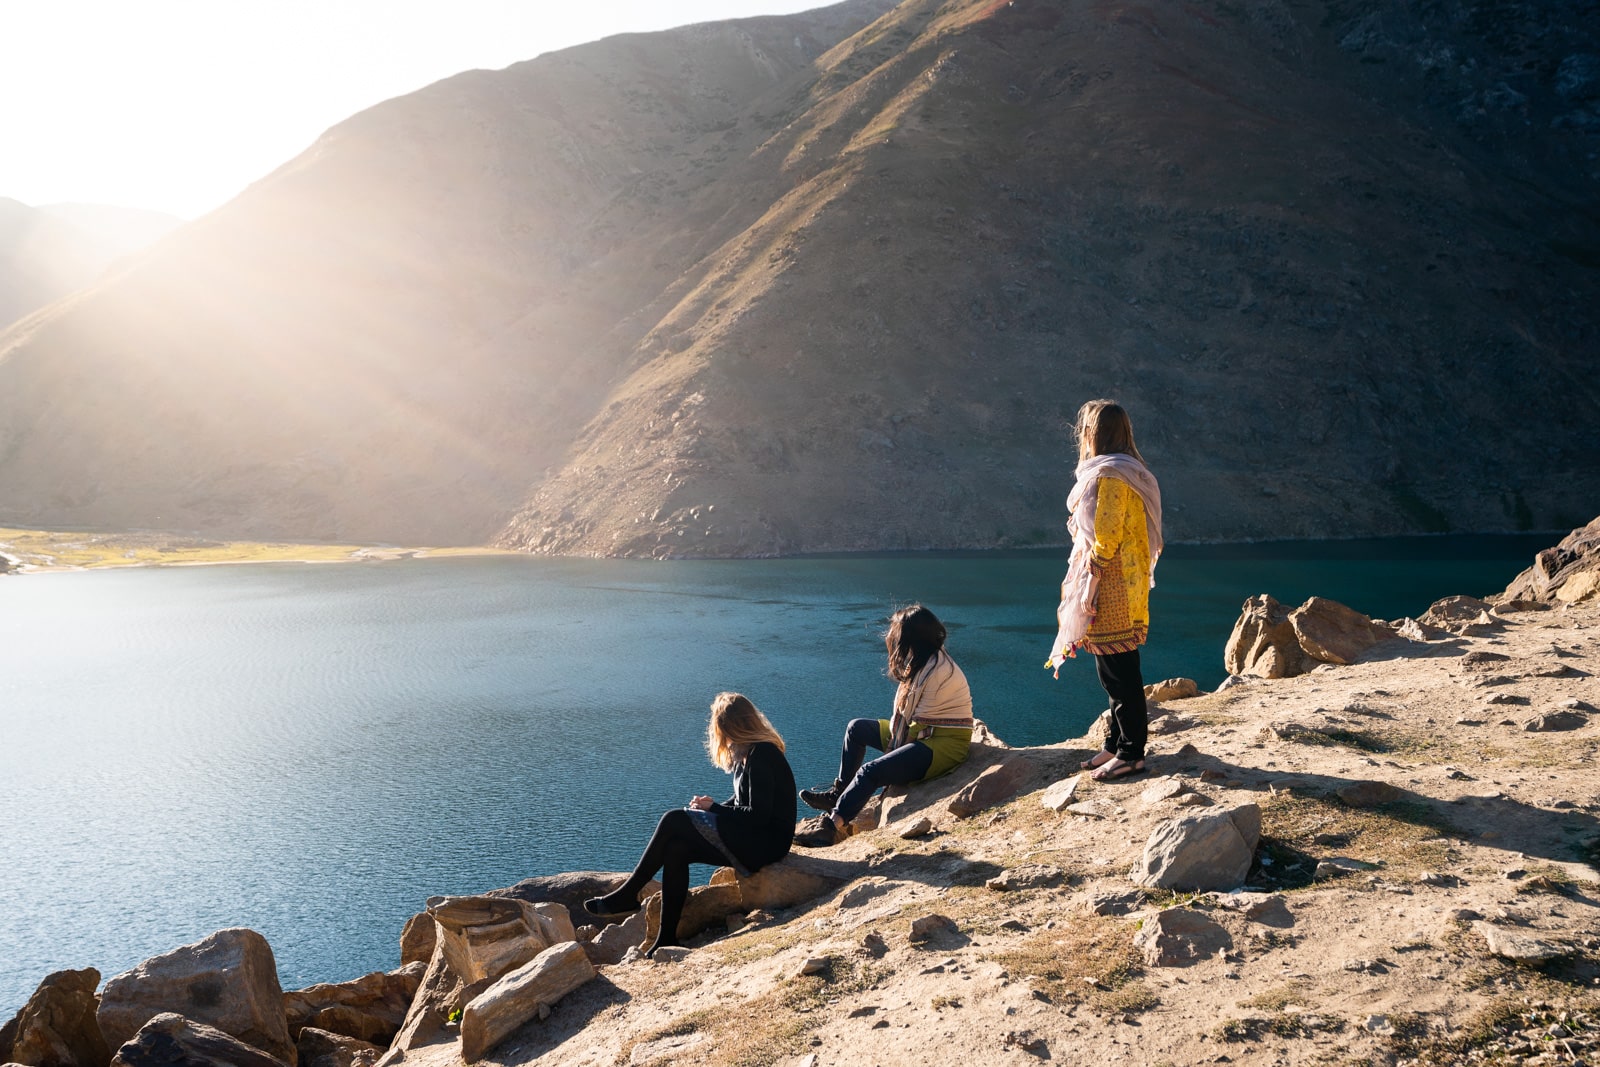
48 252
838 281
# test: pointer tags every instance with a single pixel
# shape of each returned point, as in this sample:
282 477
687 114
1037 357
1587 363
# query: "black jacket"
757 822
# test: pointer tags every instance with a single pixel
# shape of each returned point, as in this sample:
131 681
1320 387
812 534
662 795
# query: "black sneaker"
822 798
818 832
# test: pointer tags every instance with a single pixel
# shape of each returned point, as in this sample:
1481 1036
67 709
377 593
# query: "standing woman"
746 832
1105 601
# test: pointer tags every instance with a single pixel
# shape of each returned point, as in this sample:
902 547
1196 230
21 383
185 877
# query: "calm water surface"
312 751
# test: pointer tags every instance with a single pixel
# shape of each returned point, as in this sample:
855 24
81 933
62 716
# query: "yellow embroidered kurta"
1122 551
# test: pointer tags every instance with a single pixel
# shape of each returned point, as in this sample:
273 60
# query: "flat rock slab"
1525 948
1268 909
1163 789
1111 901
170 1040
1028 876
1552 721
517 997
995 785
1063 793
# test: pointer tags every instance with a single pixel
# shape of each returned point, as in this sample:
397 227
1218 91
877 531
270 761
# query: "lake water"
312 751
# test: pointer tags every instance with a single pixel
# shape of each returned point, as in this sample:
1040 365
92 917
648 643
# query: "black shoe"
819 832
823 798
607 907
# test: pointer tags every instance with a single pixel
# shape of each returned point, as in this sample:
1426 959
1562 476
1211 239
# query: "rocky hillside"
839 280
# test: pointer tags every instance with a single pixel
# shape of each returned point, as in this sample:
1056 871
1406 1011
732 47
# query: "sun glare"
177 105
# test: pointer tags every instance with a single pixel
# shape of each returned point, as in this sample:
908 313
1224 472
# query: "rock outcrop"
1568 573
57 1027
1271 641
370 1008
228 980
483 937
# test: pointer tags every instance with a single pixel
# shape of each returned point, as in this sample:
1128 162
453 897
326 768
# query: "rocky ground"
1447 911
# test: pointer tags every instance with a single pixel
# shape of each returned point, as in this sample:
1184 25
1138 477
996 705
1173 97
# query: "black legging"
1130 716
675 844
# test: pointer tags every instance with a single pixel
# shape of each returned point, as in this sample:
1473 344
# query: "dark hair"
915 636
1103 428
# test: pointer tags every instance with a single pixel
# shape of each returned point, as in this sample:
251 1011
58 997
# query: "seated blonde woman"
749 830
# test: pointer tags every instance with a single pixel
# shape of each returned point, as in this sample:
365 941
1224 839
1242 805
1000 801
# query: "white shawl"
937 696
1079 587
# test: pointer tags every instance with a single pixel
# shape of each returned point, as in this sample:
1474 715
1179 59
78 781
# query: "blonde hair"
735 725
1103 428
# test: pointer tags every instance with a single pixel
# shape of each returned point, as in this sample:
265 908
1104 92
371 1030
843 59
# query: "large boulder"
170 1040
793 880
439 995
1271 641
228 980
523 994
1263 641
1569 573
56 1028
1329 632
483 937
1208 851
370 1008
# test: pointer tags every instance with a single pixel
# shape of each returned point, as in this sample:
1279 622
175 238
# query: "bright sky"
177 105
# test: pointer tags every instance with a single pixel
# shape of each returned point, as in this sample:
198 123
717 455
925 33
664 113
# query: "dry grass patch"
1404 838
1277 998
1090 960
1511 1030
770 1025
81 549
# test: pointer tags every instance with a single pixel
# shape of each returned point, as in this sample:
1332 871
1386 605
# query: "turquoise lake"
313 750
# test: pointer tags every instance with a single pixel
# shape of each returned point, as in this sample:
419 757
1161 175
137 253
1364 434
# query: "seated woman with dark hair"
928 734
751 829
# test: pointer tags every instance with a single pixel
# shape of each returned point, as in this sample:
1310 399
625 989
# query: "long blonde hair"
735 725
1103 428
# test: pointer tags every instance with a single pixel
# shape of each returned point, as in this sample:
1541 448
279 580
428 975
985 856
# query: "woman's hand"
701 803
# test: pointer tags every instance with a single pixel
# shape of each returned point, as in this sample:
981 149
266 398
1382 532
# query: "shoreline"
65 551
61 551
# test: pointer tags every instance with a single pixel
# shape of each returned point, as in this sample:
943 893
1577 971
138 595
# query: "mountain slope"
839 281
48 252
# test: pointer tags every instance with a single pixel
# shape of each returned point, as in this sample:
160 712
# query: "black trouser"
1130 717
675 844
